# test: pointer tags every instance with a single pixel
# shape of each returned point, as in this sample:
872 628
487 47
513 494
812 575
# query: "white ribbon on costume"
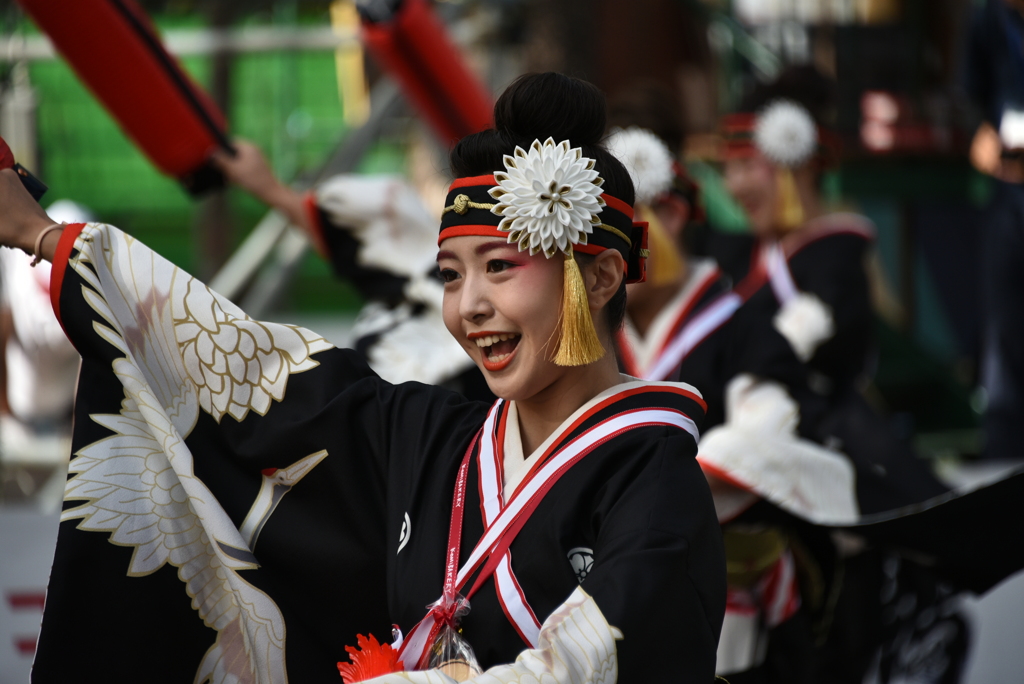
510 593
702 325
779 276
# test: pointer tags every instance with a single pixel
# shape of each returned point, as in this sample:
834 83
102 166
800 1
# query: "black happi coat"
356 541
832 268
827 259
742 342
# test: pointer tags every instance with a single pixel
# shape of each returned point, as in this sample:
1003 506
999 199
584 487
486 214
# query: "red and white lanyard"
492 549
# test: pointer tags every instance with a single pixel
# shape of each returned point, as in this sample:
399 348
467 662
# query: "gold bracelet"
39 242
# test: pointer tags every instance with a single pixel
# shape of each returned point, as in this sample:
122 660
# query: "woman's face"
502 305
751 181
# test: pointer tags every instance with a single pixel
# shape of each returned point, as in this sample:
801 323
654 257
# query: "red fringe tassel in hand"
371 659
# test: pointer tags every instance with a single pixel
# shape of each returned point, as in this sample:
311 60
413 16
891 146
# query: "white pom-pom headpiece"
548 197
785 133
647 158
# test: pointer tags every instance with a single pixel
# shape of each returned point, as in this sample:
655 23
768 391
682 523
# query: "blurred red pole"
115 51
413 46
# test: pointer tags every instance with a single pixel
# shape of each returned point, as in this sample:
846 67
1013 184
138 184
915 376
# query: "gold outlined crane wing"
185 349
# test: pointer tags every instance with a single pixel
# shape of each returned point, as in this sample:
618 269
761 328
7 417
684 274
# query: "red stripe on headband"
618 205
470 181
482 230
588 248
492 231
738 149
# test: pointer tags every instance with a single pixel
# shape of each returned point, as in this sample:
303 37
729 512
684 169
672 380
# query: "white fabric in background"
758 446
42 366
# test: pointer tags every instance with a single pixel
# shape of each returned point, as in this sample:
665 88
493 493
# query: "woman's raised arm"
22 219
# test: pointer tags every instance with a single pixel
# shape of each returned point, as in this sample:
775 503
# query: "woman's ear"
603 277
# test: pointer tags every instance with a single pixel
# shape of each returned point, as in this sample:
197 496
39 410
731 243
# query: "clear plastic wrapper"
450 652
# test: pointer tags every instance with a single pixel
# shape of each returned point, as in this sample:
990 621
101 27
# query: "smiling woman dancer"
292 487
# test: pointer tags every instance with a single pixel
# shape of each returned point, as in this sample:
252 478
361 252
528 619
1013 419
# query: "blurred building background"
289 75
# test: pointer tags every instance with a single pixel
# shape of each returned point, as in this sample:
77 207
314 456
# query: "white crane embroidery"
185 349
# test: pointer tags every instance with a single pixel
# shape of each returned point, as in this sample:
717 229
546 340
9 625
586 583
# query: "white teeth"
491 340
496 359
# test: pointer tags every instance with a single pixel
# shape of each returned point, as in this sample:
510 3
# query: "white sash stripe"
549 469
783 590
509 592
702 325
511 596
490 478
779 275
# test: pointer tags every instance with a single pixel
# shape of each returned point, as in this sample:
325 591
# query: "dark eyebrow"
491 246
482 249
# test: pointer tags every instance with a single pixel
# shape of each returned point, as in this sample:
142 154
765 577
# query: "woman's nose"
475 305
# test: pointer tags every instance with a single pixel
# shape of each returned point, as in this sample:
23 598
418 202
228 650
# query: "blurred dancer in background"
808 271
776 149
802 607
994 75
686 323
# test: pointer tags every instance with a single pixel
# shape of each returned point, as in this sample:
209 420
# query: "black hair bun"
539 106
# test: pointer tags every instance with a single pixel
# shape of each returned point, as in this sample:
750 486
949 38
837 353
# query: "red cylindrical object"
115 51
414 48
6 156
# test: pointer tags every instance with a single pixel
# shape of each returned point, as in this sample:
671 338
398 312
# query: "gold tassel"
664 266
790 214
578 343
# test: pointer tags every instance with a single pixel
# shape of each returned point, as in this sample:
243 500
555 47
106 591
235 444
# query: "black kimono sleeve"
342 253
660 573
227 494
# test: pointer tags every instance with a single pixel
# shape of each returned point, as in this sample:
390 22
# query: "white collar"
646 347
516 465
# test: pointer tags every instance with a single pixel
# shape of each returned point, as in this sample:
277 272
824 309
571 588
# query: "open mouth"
498 348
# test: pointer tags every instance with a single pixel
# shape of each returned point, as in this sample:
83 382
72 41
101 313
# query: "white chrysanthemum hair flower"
548 197
785 133
646 157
